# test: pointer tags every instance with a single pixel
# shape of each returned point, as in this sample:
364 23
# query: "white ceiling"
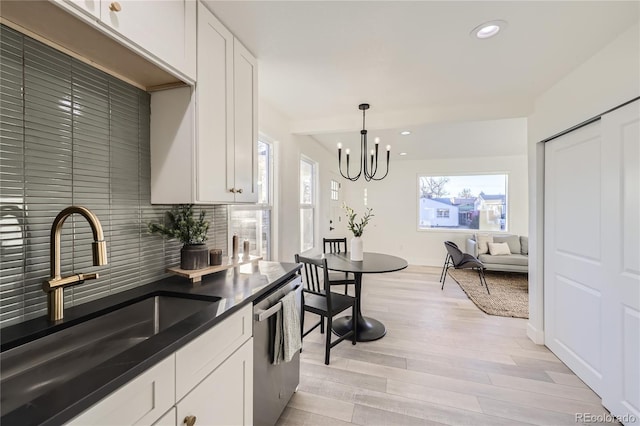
414 62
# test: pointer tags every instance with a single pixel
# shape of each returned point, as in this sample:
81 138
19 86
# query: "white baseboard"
537 336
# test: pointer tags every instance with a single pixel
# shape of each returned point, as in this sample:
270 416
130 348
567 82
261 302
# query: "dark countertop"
235 287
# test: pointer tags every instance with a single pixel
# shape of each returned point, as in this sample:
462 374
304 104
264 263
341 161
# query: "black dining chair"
460 260
318 299
337 245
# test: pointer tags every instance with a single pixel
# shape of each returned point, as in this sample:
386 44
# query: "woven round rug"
509 291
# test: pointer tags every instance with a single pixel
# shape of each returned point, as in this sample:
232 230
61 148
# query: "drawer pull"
239 191
232 190
115 7
189 420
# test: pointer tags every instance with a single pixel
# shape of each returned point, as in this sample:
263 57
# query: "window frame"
507 207
311 206
258 206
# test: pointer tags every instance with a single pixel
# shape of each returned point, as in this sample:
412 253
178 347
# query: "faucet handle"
53 283
84 277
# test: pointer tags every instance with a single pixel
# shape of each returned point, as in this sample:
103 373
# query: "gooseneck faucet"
54 287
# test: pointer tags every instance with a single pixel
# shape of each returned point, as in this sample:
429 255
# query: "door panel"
574 272
621 354
592 256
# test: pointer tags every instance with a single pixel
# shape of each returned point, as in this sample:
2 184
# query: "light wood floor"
443 361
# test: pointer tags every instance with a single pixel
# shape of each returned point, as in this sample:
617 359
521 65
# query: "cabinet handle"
239 191
189 420
115 7
233 190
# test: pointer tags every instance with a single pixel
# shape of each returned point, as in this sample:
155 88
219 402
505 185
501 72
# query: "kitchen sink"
34 368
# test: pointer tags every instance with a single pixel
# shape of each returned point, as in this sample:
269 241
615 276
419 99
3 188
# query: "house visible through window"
463 202
253 222
307 203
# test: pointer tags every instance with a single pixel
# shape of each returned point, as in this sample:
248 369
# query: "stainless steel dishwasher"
273 385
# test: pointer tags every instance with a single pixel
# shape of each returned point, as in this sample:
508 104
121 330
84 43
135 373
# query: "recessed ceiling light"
488 29
405 132
403 153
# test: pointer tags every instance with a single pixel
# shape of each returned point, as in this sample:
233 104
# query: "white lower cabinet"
225 397
140 402
210 378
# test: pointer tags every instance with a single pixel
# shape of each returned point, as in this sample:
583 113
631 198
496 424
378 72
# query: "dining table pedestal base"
368 328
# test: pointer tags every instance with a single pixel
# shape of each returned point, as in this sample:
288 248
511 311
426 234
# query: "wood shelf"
195 275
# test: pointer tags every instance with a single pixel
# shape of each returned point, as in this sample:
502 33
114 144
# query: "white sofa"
516 261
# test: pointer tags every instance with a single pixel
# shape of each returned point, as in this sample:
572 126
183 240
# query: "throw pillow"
499 249
524 245
512 240
482 240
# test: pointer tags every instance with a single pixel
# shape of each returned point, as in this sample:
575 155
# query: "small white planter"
356 249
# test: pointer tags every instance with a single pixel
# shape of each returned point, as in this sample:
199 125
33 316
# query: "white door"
335 227
621 300
592 256
575 274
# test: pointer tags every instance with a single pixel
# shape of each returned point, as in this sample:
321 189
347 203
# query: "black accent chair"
337 245
447 262
317 298
459 260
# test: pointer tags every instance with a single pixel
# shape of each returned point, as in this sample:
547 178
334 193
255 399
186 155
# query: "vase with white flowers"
357 227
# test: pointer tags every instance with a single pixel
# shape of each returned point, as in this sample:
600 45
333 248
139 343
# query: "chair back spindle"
337 245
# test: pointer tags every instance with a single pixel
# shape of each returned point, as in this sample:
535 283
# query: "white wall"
394 200
609 78
289 148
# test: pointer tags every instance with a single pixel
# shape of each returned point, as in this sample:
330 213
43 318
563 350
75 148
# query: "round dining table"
373 263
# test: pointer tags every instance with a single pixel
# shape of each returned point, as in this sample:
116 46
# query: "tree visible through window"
463 202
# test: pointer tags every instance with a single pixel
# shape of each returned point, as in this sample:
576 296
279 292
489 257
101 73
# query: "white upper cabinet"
163 32
245 88
226 101
216 163
165 29
214 101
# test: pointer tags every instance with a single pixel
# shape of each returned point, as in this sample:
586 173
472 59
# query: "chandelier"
367 167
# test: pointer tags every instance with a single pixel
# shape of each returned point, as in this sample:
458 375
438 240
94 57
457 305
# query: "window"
463 202
335 190
307 204
253 222
443 212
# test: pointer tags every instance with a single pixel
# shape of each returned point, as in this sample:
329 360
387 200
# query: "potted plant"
356 252
190 231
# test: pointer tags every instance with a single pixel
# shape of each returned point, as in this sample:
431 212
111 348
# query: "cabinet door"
141 401
225 397
245 71
165 29
214 103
